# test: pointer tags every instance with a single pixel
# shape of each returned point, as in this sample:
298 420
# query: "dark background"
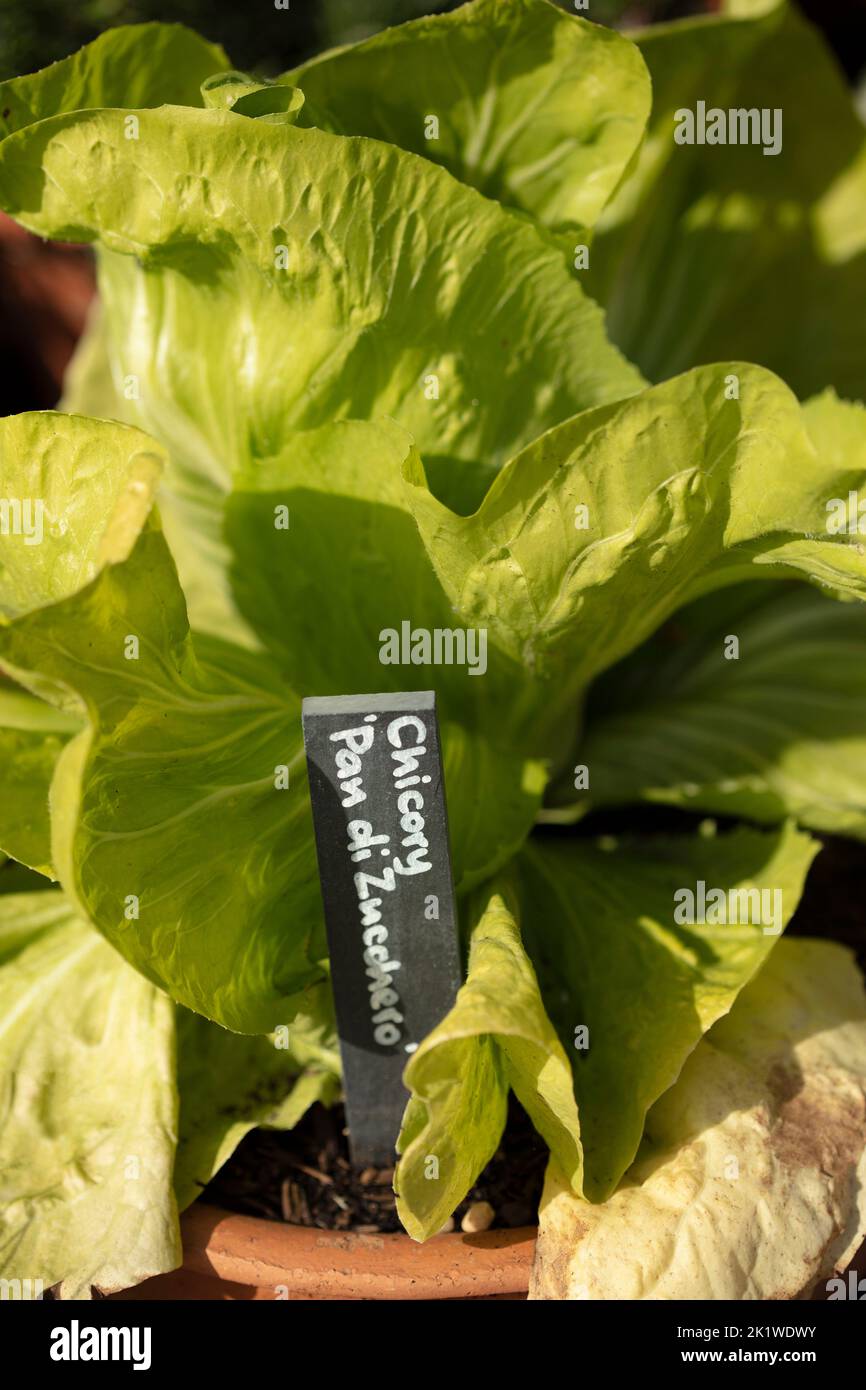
253 32
256 35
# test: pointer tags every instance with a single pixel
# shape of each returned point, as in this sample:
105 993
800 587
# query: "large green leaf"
534 107
328 277
81 492
714 251
341 492
780 731
88 385
131 65
496 1036
191 508
837 429
599 924
180 820
750 1181
80 497
172 826
598 531
90 1182
87 1106
32 734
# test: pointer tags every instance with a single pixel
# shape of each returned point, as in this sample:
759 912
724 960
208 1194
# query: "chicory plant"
443 329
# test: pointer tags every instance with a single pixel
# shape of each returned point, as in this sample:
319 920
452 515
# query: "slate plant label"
381 826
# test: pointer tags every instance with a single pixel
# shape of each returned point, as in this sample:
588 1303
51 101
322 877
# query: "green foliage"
364 379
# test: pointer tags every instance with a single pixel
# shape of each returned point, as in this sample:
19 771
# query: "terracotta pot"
242 1257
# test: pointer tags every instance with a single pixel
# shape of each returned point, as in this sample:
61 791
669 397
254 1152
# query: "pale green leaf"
246 96
535 107
130 65
32 734
83 492
496 1036
338 491
715 251
87 1107
777 732
629 989
173 828
593 535
599 924
750 1182
329 277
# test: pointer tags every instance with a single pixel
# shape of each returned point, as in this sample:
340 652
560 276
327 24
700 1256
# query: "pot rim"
286 1261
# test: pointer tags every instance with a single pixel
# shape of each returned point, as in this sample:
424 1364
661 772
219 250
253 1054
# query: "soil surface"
304 1176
